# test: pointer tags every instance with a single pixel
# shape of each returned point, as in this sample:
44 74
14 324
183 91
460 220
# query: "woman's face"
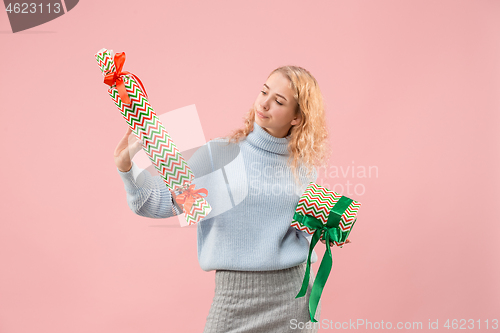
275 106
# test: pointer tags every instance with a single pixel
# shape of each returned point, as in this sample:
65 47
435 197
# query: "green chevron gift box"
129 95
329 216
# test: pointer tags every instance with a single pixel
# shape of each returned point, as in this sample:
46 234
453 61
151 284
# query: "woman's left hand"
347 241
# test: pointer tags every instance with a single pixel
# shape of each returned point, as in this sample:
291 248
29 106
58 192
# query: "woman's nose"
264 104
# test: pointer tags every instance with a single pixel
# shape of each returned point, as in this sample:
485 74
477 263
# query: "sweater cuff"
132 178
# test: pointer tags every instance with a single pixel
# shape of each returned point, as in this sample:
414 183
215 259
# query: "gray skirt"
261 301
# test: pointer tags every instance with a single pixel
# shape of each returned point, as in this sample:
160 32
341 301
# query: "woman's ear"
298 116
296 120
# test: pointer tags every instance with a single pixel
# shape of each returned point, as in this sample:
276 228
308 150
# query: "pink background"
411 87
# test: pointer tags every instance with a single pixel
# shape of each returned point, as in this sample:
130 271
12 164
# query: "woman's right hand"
347 241
126 150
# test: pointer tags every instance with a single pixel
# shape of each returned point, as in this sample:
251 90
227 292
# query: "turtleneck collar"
263 140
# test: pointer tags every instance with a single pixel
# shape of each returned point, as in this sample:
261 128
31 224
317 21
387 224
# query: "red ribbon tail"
187 206
140 83
122 91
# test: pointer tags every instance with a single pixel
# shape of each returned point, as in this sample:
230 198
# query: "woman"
259 259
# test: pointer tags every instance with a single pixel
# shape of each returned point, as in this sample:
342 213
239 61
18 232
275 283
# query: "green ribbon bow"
331 232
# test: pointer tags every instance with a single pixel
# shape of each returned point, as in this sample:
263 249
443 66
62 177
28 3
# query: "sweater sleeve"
148 195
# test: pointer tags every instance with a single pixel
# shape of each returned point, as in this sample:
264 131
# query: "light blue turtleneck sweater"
252 201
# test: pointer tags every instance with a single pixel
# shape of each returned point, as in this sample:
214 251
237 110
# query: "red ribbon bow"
116 78
189 196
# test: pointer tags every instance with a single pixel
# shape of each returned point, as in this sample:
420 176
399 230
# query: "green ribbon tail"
331 233
305 282
319 282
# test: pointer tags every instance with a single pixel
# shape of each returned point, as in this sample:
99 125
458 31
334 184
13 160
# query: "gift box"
329 216
129 95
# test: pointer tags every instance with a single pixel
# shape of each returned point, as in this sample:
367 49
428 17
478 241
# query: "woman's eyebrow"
276 94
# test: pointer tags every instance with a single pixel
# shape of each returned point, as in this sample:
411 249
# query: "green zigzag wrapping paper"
325 215
148 128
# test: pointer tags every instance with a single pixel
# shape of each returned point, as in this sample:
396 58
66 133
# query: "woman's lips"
260 115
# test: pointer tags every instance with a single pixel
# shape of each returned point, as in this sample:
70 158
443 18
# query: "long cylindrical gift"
325 215
129 95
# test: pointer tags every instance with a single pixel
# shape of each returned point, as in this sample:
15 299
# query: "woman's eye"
266 93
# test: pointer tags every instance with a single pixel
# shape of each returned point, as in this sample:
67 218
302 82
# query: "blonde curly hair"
308 145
